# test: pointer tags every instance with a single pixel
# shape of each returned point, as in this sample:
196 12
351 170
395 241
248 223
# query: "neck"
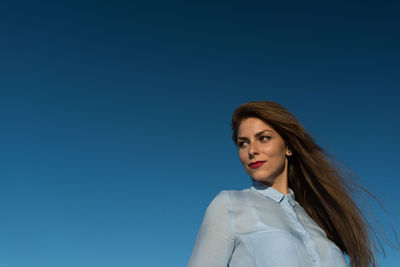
281 186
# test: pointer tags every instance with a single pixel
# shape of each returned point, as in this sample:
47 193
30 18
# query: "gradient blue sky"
115 115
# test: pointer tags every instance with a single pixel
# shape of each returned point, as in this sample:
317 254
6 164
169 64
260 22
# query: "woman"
298 211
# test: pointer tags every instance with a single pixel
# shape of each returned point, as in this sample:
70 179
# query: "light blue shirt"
261 227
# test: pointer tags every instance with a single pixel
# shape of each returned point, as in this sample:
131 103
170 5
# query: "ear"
288 152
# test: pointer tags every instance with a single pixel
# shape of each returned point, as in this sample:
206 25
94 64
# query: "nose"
252 150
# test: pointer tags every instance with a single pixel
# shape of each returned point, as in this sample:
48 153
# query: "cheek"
275 151
242 156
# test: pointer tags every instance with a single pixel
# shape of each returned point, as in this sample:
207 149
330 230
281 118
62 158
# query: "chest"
272 235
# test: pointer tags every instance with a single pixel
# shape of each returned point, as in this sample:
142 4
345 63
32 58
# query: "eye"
265 138
241 144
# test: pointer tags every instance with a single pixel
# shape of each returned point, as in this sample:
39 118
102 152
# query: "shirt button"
314 258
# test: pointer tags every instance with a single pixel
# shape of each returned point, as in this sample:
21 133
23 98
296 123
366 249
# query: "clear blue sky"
115 115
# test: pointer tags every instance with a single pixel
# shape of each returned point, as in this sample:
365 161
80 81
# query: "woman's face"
263 153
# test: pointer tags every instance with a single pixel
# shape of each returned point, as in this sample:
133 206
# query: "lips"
256 164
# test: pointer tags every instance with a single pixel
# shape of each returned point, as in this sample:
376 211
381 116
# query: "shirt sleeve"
215 241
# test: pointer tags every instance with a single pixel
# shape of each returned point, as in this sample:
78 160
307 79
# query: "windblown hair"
317 182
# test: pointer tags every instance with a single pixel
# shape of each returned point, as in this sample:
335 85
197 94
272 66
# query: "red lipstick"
256 164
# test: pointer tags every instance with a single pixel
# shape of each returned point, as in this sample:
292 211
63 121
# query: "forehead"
252 126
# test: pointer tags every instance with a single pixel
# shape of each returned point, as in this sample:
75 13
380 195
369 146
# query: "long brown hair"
317 182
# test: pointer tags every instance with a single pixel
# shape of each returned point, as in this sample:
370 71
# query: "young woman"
298 211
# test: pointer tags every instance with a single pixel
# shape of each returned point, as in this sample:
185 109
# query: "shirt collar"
272 193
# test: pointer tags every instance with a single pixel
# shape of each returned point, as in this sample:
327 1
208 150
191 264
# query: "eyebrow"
256 135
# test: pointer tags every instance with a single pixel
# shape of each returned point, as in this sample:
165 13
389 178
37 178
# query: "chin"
259 174
262 179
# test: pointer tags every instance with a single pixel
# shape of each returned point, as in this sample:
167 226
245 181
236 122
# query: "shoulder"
225 196
228 199
218 212
224 209
222 200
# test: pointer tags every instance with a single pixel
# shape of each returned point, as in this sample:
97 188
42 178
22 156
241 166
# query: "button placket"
307 240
